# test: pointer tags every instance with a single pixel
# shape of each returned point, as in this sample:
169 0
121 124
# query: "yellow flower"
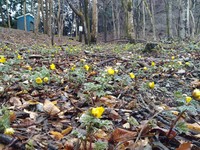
116 71
153 63
188 99
173 57
2 59
38 80
187 63
19 56
73 68
86 67
110 71
9 131
46 79
29 68
196 94
82 60
179 62
145 68
132 75
97 112
52 66
151 85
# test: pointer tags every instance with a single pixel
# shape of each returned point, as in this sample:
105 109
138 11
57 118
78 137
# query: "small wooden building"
29 22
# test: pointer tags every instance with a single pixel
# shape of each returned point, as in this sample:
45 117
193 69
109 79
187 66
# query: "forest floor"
105 96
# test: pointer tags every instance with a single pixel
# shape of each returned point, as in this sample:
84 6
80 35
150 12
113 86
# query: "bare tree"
37 21
94 22
83 19
8 14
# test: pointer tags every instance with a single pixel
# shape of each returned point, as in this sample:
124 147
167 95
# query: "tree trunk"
43 18
168 8
187 3
184 19
193 24
50 17
2 16
130 19
87 21
151 14
8 14
25 26
59 18
37 21
153 20
82 18
114 21
94 22
144 20
46 16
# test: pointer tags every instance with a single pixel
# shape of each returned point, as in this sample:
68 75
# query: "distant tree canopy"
108 19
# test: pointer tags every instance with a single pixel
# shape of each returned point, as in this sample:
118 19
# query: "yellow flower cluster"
151 85
188 99
132 75
2 59
9 131
145 68
46 79
39 80
73 67
97 112
196 94
153 63
19 56
52 66
110 71
86 67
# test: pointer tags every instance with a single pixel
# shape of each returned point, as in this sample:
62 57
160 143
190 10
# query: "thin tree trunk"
94 22
114 20
86 12
104 22
2 16
50 17
144 20
37 22
168 7
118 22
8 14
82 18
187 3
151 14
193 24
46 16
25 26
130 19
153 20
43 18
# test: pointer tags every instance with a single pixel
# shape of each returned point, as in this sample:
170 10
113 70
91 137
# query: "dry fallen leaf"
50 108
15 101
120 135
100 134
195 127
67 130
185 146
195 83
56 135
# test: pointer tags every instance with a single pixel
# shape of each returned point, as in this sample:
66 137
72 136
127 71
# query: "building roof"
28 14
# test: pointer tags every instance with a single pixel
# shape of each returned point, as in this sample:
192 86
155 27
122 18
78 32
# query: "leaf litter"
143 96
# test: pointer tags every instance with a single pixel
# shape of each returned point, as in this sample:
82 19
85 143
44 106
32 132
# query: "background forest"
106 20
